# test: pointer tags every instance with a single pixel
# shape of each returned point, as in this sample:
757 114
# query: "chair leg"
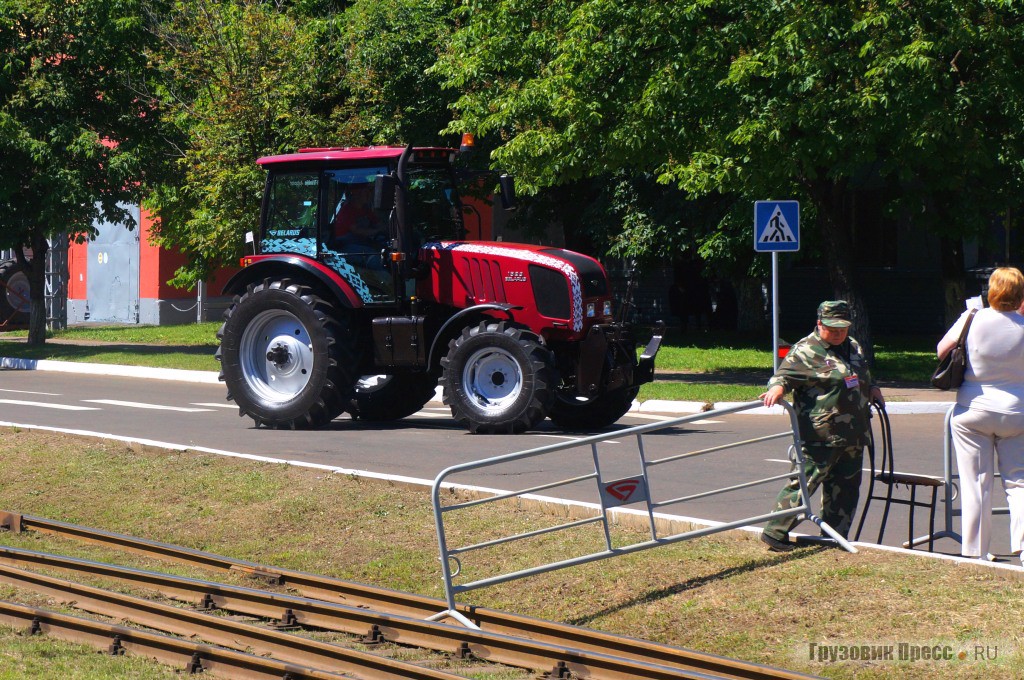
885 518
863 515
885 514
931 520
913 503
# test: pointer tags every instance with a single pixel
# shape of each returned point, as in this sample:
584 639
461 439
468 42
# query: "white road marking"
574 439
41 404
218 405
135 404
663 417
45 394
649 416
867 469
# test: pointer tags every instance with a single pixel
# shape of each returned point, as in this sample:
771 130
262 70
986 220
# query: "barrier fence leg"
843 543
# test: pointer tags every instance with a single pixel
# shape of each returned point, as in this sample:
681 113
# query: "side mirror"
508 192
384 192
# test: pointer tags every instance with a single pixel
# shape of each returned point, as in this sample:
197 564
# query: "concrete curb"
654 407
109 369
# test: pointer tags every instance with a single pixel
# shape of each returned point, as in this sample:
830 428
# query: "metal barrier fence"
611 494
950 491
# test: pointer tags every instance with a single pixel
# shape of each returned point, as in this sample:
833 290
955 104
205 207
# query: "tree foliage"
751 100
240 79
390 46
246 78
74 124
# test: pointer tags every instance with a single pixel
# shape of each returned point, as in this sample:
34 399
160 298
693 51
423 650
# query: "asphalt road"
197 415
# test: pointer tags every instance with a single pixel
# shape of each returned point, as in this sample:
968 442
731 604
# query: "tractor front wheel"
498 378
286 356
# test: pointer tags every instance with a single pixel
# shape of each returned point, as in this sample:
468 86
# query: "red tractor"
360 297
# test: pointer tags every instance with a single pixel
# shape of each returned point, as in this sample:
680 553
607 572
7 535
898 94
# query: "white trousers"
979 439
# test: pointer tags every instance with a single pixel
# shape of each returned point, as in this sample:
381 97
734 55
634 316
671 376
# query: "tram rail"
334 604
192 656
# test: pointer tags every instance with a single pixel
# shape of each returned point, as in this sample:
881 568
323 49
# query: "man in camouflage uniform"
832 393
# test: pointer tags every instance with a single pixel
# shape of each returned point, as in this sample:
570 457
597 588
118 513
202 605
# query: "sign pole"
775 312
776 229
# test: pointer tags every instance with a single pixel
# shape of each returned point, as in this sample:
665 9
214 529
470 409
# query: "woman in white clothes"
988 419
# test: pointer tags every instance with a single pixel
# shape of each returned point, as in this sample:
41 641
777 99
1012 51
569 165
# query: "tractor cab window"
434 213
354 236
291 218
353 225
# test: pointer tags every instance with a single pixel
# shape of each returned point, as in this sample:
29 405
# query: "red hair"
1006 289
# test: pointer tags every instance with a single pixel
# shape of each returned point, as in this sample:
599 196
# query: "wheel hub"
492 378
276 355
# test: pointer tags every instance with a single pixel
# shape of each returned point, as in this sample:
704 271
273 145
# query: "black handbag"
949 374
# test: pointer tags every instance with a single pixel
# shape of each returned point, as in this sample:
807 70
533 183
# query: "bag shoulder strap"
962 340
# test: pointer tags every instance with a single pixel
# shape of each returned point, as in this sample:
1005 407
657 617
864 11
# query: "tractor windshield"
291 224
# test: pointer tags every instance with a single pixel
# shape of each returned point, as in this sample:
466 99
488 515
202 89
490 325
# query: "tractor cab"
340 207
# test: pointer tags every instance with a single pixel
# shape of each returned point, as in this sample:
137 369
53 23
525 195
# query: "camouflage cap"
834 313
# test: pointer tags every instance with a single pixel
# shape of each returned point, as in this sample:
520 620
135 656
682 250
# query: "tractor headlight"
607 311
590 310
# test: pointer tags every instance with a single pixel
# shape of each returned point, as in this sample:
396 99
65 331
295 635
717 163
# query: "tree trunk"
954 285
35 270
836 210
751 304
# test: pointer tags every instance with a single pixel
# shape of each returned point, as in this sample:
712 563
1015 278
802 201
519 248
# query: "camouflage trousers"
837 470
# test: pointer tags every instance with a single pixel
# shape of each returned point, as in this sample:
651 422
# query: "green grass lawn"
188 346
705 367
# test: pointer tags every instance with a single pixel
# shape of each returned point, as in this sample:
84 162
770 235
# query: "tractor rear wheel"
498 378
390 397
287 356
14 294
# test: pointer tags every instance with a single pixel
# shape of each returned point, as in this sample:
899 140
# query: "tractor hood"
564 289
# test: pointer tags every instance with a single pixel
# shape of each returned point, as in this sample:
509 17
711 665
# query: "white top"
994 380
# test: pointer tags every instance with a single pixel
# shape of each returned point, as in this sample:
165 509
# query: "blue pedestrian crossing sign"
776 226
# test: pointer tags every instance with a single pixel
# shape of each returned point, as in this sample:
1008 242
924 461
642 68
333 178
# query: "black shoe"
775 544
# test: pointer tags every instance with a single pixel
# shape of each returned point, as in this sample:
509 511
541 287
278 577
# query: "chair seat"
909 478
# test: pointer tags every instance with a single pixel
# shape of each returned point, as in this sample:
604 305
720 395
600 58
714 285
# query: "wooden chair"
883 471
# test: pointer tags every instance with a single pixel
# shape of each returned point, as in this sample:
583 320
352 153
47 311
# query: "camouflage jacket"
831 391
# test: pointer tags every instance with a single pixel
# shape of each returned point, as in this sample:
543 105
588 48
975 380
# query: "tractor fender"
292 266
456 322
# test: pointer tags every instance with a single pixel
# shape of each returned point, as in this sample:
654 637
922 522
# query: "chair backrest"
881 435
